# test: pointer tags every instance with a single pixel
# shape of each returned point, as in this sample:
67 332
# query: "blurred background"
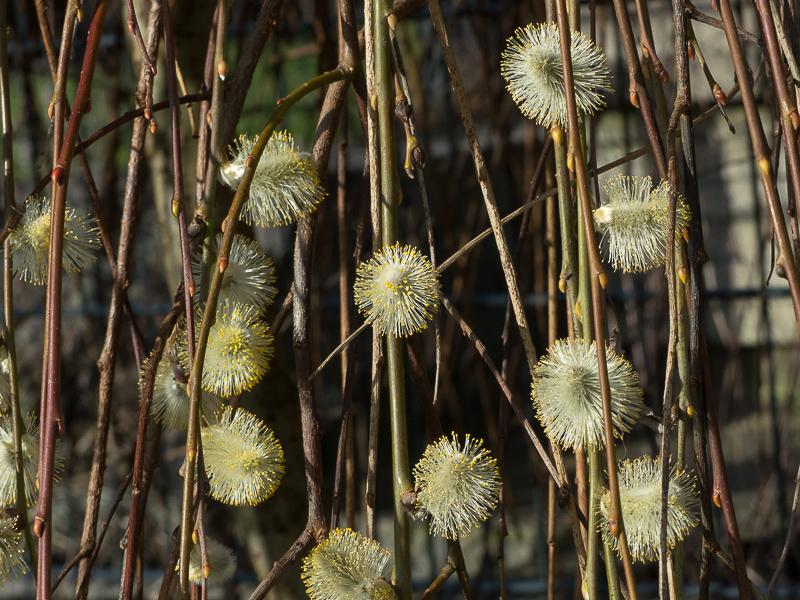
747 315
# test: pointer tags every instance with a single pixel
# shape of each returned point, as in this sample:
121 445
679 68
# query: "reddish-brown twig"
52 418
133 27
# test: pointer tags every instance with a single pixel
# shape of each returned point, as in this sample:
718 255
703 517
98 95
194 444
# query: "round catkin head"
398 290
532 67
640 499
221 563
285 187
30 461
244 461
30 242
12 563
635 222
457 485
238 351
348 566
248 278
567 398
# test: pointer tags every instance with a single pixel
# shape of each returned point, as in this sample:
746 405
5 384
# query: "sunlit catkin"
635 222
640 499
248 278
285 186
238 350
244 460
398 290
532 67
171 401
457 485
567 399
348 566
30 242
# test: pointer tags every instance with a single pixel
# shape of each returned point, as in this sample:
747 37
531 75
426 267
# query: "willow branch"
598 276
52 418
109 353
483 180
229 227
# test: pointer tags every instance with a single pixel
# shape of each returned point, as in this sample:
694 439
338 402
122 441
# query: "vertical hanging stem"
638 91
598 281
569 279
52 423
784 263
483 180
108 356
378 358
721 483
390 199
789 119
205 205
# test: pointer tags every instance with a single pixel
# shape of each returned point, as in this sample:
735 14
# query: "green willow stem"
209 313
584 269
10 207
566 216
401 476
390 199
592 547
682 355
590 480
598 278
682 350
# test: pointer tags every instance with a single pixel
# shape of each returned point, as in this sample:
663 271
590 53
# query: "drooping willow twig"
52 418
484 181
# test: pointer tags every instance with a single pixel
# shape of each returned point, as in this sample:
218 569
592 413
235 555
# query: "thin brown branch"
483 180
513 400
108 356
238 86
133 27
92 553
701 17
287 560
52 417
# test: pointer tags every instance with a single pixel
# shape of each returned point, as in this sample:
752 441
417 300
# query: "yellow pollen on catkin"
238 351
244 461
285 185
348 566
398 290
635 222
457 485
567 399
30 241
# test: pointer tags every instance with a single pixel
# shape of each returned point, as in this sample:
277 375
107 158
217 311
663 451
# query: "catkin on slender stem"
390 199
598 280
213 296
